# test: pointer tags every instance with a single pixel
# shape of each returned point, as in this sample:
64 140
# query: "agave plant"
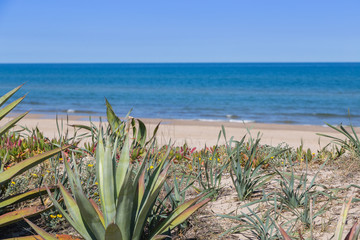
17 169
294 193
247 177
209 169
126 198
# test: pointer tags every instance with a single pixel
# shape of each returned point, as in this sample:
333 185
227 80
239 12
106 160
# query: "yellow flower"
13 183
302 159
190 167
218 159
151 167
59 216
282 162
272 157
199 158
52 216
96 183
210 158
90 165
96 194
99 200
60 159
34 174
47 171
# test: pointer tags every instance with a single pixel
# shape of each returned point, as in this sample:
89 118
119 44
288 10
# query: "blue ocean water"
296 93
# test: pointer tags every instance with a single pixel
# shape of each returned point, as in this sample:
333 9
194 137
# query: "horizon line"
3 63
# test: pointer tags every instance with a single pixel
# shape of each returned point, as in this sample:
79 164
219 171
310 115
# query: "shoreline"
197 133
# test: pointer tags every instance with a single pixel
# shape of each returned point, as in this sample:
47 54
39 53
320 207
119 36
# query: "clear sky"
179 31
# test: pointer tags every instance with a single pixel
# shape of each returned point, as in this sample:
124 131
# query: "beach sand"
198 133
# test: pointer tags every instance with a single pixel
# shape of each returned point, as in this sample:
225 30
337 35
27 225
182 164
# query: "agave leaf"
149 199
41 232
125 207
141 136
96 207
89 214
8 95
179 215
5 110
100 152
18 215
76 171
73 177
28 163
113 232
23 196
154 180
123 165
185 214
73 210
160 179
113 120
107 185
79 226
154 134
11 123
141 187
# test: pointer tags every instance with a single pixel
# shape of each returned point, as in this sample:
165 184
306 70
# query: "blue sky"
179 31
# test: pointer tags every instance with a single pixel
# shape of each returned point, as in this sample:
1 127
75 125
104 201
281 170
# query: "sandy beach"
198 133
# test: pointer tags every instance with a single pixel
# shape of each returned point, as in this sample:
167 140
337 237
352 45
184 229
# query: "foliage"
353 234
262 228
245 172
209 168
351 143
5 110
116 126
6 175
294 193
15 148
126 198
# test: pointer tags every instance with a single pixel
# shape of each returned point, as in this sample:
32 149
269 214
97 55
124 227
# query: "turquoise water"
297 93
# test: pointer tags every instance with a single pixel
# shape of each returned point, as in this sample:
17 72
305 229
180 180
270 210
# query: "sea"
284 93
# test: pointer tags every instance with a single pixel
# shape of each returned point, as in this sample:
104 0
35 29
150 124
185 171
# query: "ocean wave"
210 120
79 111
241 121
226 120
231 116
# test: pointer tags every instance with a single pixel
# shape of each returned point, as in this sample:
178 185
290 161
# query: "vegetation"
11 167
122 185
